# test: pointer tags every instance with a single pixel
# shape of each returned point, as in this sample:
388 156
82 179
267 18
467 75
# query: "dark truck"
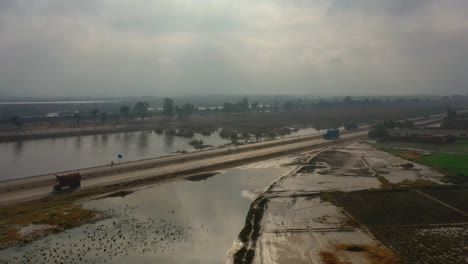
72 180
331 134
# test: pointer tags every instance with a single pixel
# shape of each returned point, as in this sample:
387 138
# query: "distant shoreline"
57 102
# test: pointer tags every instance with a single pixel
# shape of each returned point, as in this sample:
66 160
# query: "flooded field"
415 224
347 204
192 221
41 156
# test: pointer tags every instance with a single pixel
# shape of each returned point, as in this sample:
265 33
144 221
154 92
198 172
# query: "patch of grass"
454 165
328 197
417 183
385 184
443 160
458 147
9 236
59 215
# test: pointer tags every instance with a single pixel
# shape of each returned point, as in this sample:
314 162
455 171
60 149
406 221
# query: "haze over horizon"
173 47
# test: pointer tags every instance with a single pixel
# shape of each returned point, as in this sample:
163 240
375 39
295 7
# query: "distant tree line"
170 109
381 129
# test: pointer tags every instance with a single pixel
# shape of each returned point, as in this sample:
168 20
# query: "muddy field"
401 207
415 223
429 244
356 204
351 204
456 197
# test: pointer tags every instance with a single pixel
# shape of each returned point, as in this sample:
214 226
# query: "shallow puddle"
179 222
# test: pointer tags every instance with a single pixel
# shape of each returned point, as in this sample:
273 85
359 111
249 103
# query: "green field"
458 147
452 163
450 159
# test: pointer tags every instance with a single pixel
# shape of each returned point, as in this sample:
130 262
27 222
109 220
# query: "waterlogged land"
41 156
323 211
195 220
319 207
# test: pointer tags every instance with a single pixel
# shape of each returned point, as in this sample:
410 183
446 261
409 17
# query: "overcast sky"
172 47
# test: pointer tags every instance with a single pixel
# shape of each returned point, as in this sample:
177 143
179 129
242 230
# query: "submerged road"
163 168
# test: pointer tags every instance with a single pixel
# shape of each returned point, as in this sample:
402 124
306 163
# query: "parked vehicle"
72 180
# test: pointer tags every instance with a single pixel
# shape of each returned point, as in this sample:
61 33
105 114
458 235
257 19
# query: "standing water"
21 159
178 222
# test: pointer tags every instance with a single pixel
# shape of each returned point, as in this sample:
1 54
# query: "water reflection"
180 222
18 147
67 153
168 142
104 139
78 142
143 142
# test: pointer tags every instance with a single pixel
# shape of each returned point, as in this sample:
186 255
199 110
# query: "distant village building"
456 123
428 135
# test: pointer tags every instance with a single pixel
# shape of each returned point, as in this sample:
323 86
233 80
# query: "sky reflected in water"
179 222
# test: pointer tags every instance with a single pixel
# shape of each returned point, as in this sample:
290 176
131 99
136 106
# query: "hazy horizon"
107 48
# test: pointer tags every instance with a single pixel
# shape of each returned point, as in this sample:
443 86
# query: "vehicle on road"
331 133
72 180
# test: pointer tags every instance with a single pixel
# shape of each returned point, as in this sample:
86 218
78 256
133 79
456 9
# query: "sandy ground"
297 226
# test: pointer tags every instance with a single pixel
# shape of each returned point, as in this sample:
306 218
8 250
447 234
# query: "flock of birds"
120 235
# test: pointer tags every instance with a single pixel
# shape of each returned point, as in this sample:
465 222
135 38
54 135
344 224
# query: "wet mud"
427 225
105 241
201 177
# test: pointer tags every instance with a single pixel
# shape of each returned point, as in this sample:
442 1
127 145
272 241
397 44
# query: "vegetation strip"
251 232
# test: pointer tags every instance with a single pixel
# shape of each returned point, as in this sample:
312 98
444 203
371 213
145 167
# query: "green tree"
125 111
227 108
16 121
77 117
188 109
276 106
179 111
244 105
103 116
451 113
288 106
378 131
94 113
348 101
141 109
168 107
254 106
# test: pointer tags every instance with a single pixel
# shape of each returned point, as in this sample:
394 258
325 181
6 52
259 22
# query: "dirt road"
35 187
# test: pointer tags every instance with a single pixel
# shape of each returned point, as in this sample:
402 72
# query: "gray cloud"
108 47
